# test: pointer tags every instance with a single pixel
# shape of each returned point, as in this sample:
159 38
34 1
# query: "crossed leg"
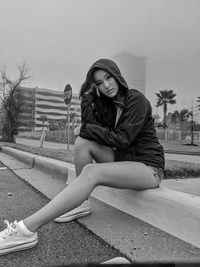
86 151
124 175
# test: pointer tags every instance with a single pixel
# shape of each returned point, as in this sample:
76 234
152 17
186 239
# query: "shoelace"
9 230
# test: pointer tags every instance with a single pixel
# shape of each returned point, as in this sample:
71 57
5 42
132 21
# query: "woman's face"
106 83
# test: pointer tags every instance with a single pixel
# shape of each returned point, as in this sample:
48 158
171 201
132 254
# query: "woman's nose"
106 84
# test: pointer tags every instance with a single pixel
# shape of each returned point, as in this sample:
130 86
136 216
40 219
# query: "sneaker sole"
72 217
18 248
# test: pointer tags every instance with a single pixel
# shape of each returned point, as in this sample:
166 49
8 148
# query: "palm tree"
175 117
184 115
164 98
198 100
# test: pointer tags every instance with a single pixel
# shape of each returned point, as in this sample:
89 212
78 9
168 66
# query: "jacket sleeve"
130 126
88 111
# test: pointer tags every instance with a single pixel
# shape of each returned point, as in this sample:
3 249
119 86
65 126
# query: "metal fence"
177 135
60 136
163 135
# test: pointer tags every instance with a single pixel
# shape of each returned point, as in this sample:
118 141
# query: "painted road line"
3 168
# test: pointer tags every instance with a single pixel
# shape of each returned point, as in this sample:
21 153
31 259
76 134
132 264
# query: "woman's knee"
91 173
80 144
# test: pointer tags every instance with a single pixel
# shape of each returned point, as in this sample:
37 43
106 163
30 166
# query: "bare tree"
12 101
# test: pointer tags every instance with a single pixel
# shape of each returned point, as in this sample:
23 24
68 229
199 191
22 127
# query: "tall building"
133 69
45 107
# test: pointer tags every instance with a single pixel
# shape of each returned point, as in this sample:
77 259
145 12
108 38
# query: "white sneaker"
16 237
82 210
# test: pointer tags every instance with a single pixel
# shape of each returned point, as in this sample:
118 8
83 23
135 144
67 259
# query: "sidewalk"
46 144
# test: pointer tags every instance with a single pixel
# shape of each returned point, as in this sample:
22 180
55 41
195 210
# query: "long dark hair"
89 83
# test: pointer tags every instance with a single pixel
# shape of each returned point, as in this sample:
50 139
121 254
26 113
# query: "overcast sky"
60 39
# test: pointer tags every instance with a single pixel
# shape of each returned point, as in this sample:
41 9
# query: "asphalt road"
59 244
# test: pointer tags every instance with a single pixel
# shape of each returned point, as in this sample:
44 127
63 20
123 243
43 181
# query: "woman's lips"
110 91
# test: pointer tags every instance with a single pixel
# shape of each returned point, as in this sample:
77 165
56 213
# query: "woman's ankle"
24 228
29 225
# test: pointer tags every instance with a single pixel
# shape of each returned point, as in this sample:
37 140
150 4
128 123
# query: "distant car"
188 138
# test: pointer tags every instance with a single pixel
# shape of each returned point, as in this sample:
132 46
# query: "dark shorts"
158 173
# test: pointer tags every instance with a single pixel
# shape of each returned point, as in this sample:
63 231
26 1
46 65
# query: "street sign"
67 94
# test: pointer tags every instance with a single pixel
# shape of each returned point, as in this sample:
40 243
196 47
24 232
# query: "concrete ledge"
53 167
174 212
25 157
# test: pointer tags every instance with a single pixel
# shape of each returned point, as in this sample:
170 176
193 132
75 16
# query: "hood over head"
108 66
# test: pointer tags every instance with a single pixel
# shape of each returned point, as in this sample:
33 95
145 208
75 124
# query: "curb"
53 167
25 157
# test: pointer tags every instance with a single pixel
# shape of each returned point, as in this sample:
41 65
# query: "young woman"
118 134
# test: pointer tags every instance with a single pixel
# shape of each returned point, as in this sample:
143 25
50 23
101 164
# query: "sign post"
67 99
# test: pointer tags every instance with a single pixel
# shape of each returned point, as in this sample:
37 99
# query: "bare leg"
85 151
125 175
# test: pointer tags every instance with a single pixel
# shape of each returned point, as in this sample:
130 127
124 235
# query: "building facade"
46 108
133 69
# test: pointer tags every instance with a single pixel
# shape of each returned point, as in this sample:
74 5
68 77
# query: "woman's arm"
98 111
130 126
88 109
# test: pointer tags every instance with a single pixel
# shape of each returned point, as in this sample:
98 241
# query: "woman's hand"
77 130
93 89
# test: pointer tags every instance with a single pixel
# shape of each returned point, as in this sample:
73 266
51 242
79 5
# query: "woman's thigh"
124 175
99 153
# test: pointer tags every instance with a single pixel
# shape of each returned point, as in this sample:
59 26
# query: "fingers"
77 130
91 90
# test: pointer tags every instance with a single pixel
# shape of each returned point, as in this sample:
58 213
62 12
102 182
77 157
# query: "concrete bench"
174 212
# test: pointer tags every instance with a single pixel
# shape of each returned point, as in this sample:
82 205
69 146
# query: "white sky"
60 39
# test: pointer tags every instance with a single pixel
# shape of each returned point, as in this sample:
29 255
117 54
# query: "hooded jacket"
134 135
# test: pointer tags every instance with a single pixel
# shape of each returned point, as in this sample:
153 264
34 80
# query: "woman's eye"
99 83
108 76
